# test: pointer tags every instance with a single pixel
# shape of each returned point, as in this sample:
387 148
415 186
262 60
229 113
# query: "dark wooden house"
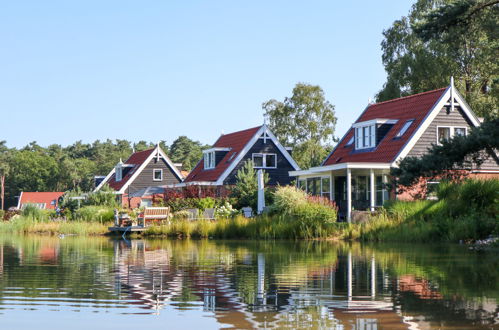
221 162
143 169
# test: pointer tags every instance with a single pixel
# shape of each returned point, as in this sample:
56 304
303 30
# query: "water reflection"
252 284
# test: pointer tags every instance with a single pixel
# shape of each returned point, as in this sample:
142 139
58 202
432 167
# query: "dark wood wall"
145 178
455 118
278 175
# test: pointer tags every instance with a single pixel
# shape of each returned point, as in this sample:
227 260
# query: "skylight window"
404 128
350 142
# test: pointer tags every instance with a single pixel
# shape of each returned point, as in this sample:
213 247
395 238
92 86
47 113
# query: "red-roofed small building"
220 163
42 200
143 169
356 173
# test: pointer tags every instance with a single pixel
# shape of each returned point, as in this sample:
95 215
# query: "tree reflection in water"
257 284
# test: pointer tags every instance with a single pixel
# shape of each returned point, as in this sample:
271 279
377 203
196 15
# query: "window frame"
264 160
365 137
209 160
404 128
452 132
156 170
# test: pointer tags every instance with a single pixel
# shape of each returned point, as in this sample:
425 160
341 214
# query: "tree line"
58 168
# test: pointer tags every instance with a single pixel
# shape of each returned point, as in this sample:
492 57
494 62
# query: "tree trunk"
2 190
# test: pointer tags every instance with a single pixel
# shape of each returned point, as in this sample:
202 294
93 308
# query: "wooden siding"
279 175
455 118
145 178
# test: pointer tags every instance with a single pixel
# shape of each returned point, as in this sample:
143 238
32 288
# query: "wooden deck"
131 229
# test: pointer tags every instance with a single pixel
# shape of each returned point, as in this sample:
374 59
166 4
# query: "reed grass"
26 225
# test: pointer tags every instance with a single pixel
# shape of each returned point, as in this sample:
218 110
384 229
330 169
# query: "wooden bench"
153 213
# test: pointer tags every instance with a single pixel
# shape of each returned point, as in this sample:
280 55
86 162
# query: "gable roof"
415 107
39 197
137 162
238 144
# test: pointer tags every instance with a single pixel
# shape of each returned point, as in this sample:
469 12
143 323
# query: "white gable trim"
247 147
105 180
19 201
437 107
157 151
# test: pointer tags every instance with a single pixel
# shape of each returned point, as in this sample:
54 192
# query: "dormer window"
209 160
365 137
366 132
119 172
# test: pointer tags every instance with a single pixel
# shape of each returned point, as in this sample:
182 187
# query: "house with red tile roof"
356 172
39 199
143 169
221 162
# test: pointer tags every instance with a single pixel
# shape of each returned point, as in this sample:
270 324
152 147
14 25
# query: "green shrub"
2 214
205 203
104 197
287 198
34 213
94 213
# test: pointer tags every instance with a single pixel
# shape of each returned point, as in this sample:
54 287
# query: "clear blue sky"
154 70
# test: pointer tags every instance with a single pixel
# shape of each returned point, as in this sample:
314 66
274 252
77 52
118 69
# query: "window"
446 133
209 160
264 160
157 175
404 128
119 173
326 187
431 189
365 137
460 131
443 134
302 184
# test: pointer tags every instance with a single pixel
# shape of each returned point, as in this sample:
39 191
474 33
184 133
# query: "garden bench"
153 213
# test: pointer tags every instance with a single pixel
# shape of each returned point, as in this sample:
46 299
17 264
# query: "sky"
155 70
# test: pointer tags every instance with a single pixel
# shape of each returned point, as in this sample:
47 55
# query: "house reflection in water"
325 295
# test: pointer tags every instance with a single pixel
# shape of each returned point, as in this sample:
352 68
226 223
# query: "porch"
352 186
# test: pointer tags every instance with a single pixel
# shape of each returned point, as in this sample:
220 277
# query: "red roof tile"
236 142
135 159
414 107
40 197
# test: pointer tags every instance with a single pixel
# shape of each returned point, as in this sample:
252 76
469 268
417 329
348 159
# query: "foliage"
443 38
225 211
28 225
186 151
295 203
245 191
2 214
33 212
306 120
465 211
94 213
104 197
460 152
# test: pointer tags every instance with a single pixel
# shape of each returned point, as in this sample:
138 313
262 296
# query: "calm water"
100 283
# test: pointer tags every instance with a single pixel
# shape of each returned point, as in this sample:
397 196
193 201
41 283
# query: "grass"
27 225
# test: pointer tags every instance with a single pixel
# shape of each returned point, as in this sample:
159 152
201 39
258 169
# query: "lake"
87 283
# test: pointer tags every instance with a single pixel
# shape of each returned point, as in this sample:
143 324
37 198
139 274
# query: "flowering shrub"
225 210
295 202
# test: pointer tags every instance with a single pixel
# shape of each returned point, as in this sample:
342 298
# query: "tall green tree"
246 188
443 38
306 120
186 151
4 170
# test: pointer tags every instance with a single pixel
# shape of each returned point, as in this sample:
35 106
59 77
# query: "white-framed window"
209 160
431 189
404 128
157 174
119 173
326 187
262 160
445 133
302 184
365 137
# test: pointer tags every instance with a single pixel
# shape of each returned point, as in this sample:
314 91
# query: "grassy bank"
466 211
264 227
27 225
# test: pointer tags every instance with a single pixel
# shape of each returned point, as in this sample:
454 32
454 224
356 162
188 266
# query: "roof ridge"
409 96
243 130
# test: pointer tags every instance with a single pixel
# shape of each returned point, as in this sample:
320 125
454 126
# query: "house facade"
220 163
357 172
142 170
